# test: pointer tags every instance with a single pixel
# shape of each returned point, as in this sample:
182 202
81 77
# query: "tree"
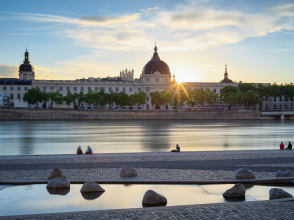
142 97
123 99
89 97
45 97
251 98
228 89
56 97
32 96
68 98
230 99
80 97
155 98
212 97
244 87
74 98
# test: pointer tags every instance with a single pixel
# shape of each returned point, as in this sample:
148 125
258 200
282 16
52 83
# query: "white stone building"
155 76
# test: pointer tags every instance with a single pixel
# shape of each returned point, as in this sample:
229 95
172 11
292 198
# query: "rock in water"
286 173
58 183
128 172
244 174
276 193
55 173
91 186
153 198
236 191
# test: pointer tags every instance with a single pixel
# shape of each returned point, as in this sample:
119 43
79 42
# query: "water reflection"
34 199
63 137
61 192
91 195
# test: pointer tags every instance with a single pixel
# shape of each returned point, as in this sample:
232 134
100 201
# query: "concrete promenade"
174 167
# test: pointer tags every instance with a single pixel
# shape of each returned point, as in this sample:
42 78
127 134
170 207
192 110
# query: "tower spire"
226 72
155 54
26 56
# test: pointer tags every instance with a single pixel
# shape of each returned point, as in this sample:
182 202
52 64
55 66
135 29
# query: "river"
63 137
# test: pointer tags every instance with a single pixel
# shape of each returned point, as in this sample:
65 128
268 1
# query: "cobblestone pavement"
191 156
254 210
143 174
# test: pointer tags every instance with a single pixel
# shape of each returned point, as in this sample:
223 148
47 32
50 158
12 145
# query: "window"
89 88
139 89
157 79
102 88
75 89
96 89
147 79
131 89
124 89
11 88
18 88
4 88
60 88
44 88
25 88
117 89
214 90
82 89
67 88
52 88
11 96
110 89
18 96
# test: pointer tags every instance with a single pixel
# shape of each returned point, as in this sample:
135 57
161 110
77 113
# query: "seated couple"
288 148
88 151
178 149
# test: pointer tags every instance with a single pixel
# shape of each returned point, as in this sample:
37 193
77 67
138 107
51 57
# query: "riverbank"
78 114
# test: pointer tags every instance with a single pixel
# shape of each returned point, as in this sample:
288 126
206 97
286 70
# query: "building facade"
155 76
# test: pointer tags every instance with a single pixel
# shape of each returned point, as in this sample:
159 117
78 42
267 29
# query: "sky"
91 38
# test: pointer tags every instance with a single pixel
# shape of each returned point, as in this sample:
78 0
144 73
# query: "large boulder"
236 191
153 198
276 193
244 174
55 173
285 173
91 186
128 172
58 183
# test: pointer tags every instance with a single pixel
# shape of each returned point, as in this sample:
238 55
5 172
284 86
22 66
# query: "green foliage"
32 96
56 97
68 98
244 87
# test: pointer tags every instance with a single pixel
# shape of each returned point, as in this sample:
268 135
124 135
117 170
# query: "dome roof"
26 67
155 64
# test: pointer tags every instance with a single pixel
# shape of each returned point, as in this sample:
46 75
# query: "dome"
155 64
26 67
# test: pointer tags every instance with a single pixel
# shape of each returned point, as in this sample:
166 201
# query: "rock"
58 183
61 192
153 198
55 173
91 186
286 173
236 191
244 174
276 193
128 172
292 182
91 195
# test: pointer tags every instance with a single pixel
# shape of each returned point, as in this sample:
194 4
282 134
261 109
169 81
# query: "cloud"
107 20
8 71
284 10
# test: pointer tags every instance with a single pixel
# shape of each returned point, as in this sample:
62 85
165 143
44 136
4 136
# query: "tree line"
99 98
248 94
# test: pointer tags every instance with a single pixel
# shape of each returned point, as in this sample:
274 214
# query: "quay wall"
73 114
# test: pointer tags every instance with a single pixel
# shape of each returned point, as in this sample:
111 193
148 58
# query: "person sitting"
89 150
79 150
289 146
178 148
282 146
174 150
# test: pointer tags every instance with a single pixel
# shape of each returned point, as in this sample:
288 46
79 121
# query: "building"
155 76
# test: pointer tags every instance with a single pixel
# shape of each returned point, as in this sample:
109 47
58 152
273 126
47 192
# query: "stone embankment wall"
71 114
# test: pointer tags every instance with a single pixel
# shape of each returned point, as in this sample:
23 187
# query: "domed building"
226 79
26 70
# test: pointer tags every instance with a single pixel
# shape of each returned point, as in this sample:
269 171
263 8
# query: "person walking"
282 146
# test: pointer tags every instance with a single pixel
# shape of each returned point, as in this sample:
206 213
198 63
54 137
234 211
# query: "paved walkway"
249 210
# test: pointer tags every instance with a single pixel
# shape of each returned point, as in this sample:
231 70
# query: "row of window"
11 88
90 88
18 96
157 80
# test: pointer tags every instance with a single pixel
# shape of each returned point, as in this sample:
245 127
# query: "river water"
63 137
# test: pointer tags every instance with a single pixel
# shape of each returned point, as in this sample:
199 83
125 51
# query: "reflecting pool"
36 199
63 137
